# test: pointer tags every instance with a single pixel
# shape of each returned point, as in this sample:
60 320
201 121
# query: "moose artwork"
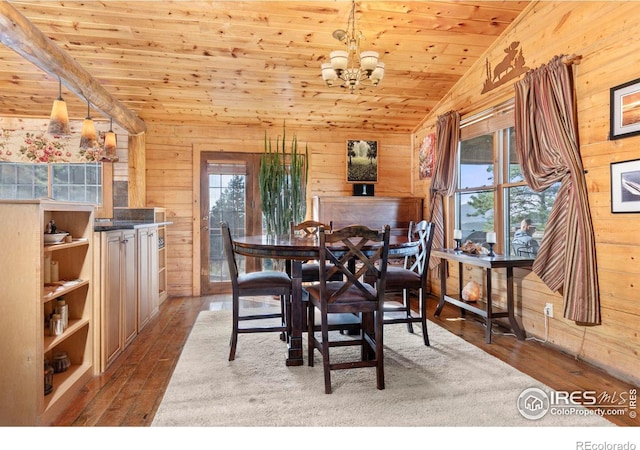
511 66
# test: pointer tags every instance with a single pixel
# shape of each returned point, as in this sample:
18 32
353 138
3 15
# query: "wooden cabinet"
27 303
161 220
116 274
147 258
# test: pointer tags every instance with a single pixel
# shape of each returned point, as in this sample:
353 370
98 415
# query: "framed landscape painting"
625 110
625 187
362 161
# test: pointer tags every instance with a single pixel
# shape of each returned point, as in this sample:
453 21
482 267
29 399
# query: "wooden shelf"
64 245
51 292
50 342
24 342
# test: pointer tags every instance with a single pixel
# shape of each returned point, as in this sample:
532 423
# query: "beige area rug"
451 383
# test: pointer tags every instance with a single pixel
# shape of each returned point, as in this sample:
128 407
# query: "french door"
229 192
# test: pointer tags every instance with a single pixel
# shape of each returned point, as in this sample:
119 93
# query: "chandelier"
350 67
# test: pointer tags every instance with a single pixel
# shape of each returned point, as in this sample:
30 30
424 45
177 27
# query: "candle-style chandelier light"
351 68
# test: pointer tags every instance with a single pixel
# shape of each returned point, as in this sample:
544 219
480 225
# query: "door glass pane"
227 200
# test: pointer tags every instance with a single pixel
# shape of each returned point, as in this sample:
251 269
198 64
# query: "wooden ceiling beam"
21 36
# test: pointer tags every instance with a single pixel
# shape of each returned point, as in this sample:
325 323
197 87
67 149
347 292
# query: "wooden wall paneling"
609 45
171 183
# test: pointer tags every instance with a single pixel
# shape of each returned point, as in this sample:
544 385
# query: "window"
491 194
61 181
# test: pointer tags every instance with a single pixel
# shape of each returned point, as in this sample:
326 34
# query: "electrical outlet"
548 310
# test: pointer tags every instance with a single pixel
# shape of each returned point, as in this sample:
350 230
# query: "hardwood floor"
129 392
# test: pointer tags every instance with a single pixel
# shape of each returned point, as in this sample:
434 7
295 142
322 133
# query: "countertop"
110 225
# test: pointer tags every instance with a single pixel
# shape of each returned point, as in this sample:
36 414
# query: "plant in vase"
283 184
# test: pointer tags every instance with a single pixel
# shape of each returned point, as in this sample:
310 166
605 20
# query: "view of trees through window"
492 194
227 198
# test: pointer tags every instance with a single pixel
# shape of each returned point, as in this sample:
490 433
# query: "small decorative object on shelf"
457 236
491 240
55 325
48 377
471 292
60 362
63 309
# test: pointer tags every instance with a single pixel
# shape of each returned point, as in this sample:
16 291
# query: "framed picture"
362 161
426 156
625 187
625 110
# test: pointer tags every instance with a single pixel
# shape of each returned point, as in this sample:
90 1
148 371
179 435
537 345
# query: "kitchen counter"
110 225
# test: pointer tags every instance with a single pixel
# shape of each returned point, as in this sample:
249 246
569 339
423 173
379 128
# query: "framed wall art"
362 161
426 156
625 110
625 187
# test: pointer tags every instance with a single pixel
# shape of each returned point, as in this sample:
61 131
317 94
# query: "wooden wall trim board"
137 171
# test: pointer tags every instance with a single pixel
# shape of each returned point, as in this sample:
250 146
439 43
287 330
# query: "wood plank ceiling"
255 63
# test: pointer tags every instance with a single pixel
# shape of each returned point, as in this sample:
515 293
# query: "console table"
481 308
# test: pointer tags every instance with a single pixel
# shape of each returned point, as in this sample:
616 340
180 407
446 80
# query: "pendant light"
59 121
88 137
110 145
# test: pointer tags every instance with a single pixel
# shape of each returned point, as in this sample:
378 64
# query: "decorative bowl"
54 238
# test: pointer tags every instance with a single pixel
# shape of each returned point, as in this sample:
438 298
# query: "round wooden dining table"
297 249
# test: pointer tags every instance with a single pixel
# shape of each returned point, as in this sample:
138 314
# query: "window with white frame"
61 181
491 194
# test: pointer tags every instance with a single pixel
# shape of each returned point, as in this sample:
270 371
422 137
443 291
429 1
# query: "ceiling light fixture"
110 145
88 136
350 67
59 121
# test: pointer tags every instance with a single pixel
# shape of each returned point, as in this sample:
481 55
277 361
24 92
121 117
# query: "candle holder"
491 244
457 249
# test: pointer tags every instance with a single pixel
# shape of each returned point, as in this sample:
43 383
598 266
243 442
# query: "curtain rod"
572 59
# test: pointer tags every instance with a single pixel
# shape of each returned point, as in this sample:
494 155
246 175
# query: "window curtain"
548 149
31 143
443 182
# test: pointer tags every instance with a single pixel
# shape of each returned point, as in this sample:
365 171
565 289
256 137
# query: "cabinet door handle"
124 241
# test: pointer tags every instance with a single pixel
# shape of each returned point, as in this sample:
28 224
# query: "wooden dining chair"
411 277
309 230
352 297
263 283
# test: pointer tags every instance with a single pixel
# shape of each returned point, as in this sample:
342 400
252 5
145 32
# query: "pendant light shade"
59 121
110 145
88 136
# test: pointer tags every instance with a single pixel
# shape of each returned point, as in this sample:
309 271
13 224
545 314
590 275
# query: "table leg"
294 357
489 319
443 286
515 326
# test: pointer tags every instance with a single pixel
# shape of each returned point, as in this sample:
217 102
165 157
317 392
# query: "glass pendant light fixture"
110 145
59 121
88 136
